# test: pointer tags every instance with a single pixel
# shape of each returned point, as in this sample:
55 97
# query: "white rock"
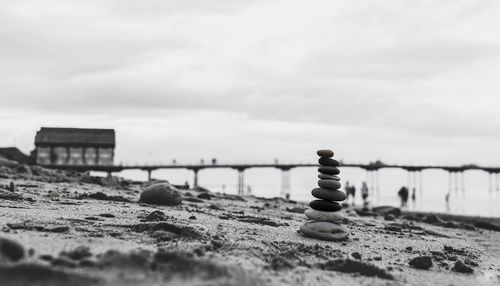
324 230
313 214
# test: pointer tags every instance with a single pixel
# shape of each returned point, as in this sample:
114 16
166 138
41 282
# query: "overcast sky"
243 81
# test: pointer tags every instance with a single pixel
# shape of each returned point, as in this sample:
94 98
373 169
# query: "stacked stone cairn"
324 214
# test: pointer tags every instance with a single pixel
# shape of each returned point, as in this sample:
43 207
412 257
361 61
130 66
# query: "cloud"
410 71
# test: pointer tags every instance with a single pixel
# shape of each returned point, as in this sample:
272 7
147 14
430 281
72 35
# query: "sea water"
474 198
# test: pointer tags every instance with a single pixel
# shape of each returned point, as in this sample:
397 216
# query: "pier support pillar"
414 182
456 181
450 182
367 179
195 181
420 183
149 175
462 183
372 181
496 182
285 184
408 179
490 182
241 182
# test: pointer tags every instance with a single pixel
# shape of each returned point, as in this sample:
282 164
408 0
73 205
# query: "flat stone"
313 214
328 195
325 161
329 170
383 210
329 184
325 153
324 230
329 177
322 205
161 194
205 196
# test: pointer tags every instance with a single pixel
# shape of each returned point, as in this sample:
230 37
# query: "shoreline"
456 217
446 216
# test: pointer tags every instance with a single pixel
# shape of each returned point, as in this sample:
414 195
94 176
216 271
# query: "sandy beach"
61 228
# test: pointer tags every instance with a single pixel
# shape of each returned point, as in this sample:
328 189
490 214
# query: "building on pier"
74 146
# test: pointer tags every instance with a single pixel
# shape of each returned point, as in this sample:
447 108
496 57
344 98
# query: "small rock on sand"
10 250
161 194
487 225
354 266
365 213
383 210
78 253
39 274
433 219
389 217
107 215
155 216
461 267
205 196
216 207
281 263
421 262
297 210
436 233
193 200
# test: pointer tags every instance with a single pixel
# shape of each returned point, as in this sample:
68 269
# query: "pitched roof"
48 136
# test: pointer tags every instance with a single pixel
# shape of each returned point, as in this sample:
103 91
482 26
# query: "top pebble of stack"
325 153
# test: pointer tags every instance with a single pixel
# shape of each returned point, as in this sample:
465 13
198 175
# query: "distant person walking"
364 193
413 197
403 195
353 193
347 189
350 190
447 199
